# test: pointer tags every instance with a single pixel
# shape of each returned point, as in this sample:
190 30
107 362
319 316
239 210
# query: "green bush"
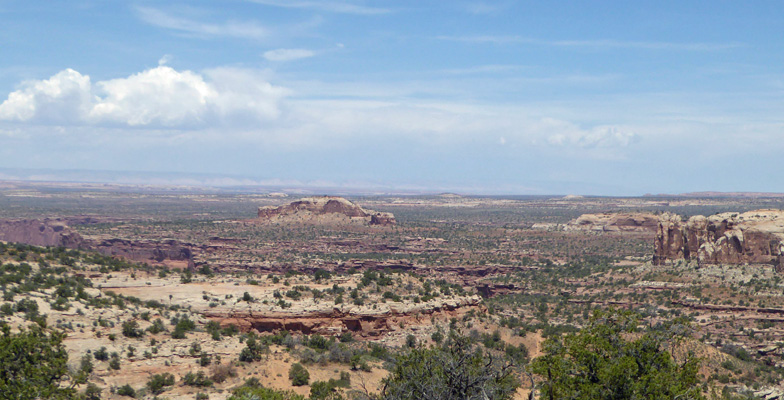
198 379
298 375
131 329
257 392
33 363
455 370
101 354
158 383
602 361
126 390
253 351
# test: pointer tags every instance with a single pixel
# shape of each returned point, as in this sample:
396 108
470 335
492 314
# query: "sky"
474 97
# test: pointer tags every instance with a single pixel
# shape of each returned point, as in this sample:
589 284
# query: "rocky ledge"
366 322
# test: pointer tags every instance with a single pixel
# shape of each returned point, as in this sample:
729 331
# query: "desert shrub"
455 370
198 379
182 326
205 360
86 364
253 351
126 390
298 375
114 363
257 392
158 383
318 342
101 354
219 373
131 329
518 354
92 392
157 327
321 390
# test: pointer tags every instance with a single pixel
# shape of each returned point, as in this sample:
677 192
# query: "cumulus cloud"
288 54
235 104
160 96
62 98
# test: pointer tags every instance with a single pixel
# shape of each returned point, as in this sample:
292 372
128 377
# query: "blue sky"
504 97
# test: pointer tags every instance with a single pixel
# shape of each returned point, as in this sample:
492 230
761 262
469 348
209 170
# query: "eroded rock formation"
326 209
364 322
614 222
47 232
755 237
56 232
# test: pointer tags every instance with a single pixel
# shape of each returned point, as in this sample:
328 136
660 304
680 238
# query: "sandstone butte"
754 237
614 222
323 210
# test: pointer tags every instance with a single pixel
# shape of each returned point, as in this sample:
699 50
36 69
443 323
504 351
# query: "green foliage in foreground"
612 359
32 364
252 390
456 370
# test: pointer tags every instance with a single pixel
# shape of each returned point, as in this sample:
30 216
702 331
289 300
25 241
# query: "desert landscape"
182 294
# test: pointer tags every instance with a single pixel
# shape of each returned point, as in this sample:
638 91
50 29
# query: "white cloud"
63 97
160 96
328 6
242 105
165 59
157 97
288 54
237 29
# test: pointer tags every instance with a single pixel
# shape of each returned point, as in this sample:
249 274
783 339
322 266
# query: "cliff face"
614 222
326 210
47 232
755 237
55 232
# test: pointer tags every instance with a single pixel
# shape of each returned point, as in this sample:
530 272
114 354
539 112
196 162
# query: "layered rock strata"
323 210
754 237
364 322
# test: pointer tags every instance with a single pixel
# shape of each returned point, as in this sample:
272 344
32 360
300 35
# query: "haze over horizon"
504 97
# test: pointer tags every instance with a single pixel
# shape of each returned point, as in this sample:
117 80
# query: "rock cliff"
755 237
56 232
47 232
323 210
614 222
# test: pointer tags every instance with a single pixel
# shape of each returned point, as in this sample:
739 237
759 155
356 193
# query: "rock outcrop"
56 232
365 322
47 232
614 222
323 210
755 237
